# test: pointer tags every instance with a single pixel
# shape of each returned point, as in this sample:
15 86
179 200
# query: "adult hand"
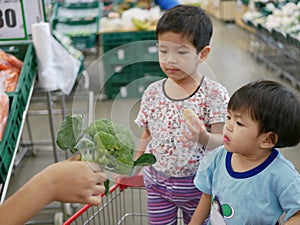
73 180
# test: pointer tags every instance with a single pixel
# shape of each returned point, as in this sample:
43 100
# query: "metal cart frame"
125 205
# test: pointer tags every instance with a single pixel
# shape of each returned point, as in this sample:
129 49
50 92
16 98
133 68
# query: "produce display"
127 4
109 144
277 28
284 17
79 21
10 69
20 58
134 18
4 105
141 24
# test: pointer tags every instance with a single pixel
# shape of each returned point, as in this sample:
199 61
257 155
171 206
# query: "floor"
230 63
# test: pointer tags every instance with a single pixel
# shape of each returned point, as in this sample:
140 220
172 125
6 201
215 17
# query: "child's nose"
228 126
171 59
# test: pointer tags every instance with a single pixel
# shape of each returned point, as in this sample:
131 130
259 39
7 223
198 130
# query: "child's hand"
196 129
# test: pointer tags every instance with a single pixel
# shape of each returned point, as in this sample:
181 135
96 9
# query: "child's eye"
239 123
162 51
182 52
228 117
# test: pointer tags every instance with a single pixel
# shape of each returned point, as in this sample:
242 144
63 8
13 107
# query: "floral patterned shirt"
164 119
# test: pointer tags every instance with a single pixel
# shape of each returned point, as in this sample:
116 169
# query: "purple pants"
168 194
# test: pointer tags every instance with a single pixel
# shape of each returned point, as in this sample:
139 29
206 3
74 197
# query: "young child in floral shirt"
183 35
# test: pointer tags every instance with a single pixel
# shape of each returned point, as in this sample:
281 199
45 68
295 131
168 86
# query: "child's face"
241 134
178 57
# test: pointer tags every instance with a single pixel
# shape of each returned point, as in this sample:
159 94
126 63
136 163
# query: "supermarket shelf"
78 21
19 100
4 186
277 53
286 69
223 10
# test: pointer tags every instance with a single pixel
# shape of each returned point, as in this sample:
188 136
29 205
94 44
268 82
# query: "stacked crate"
130 62
79 21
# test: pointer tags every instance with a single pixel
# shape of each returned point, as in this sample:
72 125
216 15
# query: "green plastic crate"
129 56
134 89
280 36
79 21
17 102
83 33
11 133
84 42
79 4
122 51
76 11
263 31
245 2
153 69
120 73
292 40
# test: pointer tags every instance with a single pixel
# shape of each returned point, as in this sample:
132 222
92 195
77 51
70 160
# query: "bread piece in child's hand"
189 114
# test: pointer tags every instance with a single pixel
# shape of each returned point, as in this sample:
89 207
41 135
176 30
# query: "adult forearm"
26 202
66 181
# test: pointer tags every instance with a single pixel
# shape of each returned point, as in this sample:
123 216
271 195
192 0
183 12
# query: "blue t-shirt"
255 197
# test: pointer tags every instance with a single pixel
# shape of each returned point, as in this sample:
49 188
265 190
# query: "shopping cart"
125 205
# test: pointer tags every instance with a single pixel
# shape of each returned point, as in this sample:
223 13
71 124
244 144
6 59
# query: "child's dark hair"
189 21
273 106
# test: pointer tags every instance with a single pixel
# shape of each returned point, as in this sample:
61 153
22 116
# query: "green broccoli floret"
109 144
114 140
105 140
69 132
104 125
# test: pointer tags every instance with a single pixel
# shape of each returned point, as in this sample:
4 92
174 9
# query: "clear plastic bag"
4 107
57 68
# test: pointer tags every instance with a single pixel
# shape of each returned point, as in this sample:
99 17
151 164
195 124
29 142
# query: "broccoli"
109 144
69 132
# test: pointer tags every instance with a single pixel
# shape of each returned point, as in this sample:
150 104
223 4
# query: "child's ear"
269 140
204 53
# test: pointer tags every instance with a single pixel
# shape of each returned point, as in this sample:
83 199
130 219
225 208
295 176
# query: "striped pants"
165 195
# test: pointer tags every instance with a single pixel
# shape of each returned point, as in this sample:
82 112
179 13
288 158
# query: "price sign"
12 20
